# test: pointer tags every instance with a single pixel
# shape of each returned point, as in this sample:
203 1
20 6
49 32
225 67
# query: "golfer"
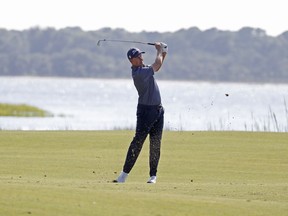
150 113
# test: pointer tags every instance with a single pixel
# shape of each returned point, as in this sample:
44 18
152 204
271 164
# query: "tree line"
246 55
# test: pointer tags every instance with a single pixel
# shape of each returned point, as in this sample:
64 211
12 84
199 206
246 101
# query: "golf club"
124 41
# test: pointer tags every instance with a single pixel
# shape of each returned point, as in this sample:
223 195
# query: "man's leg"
142 130
155 143
134 151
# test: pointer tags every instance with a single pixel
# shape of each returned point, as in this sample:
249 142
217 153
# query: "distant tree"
247 55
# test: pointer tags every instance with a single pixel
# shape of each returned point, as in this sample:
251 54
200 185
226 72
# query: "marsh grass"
271 122
22 110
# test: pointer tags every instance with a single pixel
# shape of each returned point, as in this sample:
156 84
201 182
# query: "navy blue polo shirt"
146 85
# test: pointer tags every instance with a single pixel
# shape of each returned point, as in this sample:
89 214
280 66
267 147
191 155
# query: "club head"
98 43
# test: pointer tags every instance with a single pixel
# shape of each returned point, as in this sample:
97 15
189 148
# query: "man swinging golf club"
150 113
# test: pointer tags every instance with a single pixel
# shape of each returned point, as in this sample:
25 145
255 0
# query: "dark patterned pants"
150 120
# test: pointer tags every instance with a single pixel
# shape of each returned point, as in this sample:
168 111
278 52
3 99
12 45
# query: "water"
95 104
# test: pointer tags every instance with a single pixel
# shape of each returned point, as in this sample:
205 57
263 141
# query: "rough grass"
22 110
200 173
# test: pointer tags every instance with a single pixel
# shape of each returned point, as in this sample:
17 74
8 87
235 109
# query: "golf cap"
134 52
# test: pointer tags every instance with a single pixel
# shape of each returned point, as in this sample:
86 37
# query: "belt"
150 106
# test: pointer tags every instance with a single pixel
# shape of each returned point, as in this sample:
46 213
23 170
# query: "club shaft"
126 41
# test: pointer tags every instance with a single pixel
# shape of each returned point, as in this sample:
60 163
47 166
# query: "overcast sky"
148 15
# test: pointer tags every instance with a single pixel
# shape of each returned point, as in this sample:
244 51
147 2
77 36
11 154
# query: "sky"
146 15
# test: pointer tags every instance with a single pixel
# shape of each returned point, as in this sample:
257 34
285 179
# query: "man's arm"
160 56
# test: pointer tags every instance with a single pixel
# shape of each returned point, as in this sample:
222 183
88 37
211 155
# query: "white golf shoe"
152 180
121 178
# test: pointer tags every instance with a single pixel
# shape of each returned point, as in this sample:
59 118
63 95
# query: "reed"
271 122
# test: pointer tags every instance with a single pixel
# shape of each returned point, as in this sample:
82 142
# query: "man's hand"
158 46
164 47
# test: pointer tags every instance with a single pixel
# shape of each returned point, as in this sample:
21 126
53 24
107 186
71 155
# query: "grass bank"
200 173
22 110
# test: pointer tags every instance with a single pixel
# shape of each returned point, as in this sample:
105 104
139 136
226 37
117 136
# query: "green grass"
200 173
22 110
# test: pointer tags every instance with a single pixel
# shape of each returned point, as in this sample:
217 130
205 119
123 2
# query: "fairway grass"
200 173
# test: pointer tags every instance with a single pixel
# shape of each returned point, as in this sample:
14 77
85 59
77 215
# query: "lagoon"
109 104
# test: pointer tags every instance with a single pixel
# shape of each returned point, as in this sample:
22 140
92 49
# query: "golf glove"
164 47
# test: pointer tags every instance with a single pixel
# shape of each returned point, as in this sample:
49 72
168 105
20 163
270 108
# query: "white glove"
164 47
